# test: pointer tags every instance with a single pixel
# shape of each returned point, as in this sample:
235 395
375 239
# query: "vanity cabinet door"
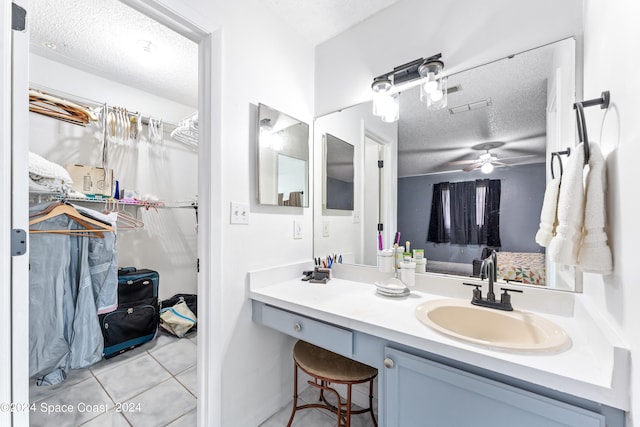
419 392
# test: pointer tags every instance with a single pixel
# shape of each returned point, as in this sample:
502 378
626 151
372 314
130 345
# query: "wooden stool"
327 367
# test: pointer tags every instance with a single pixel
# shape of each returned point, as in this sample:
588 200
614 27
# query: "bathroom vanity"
427 378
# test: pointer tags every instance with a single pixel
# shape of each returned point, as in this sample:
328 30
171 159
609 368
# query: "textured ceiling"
100 36
517 87
319 20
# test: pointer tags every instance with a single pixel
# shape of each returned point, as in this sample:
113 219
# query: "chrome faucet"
489 269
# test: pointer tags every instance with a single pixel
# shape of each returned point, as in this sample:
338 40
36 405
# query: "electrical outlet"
239 213
325 228
356 217
297 229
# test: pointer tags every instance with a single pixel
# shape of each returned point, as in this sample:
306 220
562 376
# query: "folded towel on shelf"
595 253
548 214
47 177
565 244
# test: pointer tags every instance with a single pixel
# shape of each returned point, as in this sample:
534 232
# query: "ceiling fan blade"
501 164
515 157
462 162
473 166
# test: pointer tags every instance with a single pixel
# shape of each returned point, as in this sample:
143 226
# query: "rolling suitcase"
136 319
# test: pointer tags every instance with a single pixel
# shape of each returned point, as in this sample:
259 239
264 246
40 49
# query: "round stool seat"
325 364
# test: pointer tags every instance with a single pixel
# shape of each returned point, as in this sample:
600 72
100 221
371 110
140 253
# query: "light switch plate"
356 217
297 229
239 213
325 228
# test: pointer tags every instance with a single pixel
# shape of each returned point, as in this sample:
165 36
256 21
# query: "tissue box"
91 179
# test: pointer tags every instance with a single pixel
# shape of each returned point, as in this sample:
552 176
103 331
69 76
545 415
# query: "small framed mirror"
283 159
339 173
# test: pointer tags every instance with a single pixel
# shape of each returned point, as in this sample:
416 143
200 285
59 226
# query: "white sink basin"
507 330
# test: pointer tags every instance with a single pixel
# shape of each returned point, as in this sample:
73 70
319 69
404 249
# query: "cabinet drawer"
325 335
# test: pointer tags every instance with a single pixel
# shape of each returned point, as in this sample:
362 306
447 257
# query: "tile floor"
316 417
153 385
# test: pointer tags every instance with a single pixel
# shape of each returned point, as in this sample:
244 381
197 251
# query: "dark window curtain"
464 229
437 231
471 209
492 213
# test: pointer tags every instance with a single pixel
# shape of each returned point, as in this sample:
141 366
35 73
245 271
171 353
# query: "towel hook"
603 102
558 154
582 131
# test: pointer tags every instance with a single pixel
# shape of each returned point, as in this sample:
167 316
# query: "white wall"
467 33
261 61
167 242
611 44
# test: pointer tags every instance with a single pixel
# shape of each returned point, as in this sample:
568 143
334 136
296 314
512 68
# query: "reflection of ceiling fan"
486 161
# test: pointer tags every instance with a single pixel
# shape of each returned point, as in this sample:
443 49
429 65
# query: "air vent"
471 106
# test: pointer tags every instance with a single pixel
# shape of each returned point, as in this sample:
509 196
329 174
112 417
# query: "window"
466 213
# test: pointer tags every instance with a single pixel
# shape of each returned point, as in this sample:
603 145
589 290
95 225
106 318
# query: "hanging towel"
565 244
548 214
595 253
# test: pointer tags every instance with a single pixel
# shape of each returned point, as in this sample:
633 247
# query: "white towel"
565 244
595 254
46 176
548 214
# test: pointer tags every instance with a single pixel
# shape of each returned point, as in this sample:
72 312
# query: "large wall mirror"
512 113
283 159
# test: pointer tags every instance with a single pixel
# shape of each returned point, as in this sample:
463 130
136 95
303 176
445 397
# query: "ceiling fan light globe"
487 167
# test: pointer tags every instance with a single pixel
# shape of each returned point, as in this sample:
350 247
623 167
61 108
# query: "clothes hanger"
63 103
124 220
92 226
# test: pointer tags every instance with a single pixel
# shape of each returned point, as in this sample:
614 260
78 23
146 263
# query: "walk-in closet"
113 105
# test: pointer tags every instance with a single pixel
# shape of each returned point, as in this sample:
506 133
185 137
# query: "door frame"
209 203
5 209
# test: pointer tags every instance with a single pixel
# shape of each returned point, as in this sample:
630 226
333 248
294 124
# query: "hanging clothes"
69 277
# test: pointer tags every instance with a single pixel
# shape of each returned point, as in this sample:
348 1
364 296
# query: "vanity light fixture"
425 72
433 89
385 103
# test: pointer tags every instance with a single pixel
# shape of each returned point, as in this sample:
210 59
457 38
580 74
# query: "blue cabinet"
420 392
415 390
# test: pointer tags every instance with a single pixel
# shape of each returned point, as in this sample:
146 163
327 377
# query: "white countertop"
595 367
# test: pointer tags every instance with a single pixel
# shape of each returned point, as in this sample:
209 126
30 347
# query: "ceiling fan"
486 161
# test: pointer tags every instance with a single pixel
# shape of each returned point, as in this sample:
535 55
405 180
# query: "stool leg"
375 423
295 393
348 411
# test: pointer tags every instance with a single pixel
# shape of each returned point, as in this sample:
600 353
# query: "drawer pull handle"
388 363
297 327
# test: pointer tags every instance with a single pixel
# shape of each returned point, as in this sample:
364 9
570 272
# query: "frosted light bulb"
430 84
436 95
487 167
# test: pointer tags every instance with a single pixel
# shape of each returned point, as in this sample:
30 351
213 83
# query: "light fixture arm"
407 72
387 86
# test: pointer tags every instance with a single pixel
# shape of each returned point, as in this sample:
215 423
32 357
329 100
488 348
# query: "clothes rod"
96 104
